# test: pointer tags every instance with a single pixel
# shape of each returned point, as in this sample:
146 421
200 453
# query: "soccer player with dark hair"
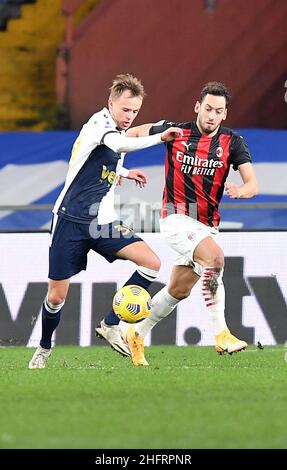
196 169
84 216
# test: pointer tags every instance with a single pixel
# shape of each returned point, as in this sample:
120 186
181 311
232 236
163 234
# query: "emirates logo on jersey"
219 152
198 166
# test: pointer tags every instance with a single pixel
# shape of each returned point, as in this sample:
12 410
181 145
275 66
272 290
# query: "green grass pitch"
189 397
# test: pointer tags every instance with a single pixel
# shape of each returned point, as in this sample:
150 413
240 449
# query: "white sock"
162 305
215 303
52 308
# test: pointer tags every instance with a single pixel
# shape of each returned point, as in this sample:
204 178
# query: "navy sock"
136 279
50 322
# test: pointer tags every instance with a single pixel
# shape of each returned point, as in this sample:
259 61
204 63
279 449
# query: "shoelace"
41 358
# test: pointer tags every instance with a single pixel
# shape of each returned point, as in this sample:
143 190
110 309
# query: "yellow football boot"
226 342
136 347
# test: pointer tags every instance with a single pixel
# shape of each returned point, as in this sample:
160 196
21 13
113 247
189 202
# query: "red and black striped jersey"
196 168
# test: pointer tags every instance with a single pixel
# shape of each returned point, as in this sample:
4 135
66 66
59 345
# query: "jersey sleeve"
121 143
239 152
122 171
102 126
161 126
95 130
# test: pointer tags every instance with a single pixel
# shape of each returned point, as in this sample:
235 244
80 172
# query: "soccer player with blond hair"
84 215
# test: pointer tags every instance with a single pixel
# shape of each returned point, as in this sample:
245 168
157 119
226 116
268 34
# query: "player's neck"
205 134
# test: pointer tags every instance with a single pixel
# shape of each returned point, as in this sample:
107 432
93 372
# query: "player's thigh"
141 254
117 241
183 233
68 250
209 253
58 290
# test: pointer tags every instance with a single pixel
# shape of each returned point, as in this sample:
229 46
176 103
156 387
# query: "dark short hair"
126 81
215 88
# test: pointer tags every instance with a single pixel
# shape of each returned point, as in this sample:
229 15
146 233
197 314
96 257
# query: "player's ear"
224 115
197 107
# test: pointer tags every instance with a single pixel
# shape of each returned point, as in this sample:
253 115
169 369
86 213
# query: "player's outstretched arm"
139 131
169 134
122 143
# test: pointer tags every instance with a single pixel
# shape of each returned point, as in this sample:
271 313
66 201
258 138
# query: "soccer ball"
132 304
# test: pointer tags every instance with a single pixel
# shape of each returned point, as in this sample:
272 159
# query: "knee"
149 272
218 261
179 292
157 264
55 298
215 261
154 263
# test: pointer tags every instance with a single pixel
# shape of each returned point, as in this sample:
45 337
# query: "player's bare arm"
134 140
248 189
123 143
140 131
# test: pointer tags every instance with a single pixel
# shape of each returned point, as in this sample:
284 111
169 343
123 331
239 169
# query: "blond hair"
126 81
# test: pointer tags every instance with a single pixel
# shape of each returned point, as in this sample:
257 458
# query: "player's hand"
139 177
171 133
232 190
120 181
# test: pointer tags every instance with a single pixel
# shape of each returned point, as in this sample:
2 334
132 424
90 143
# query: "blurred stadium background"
57 60
53 78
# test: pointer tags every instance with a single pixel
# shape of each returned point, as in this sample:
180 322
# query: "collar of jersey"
113 122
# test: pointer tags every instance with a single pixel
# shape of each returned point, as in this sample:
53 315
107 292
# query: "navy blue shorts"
71 243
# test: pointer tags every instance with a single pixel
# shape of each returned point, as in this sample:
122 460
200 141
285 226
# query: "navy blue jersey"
82 200
92 175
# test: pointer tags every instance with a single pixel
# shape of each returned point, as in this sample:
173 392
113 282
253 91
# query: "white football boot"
40 357
114 336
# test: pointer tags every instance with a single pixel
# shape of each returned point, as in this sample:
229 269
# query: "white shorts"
183 234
